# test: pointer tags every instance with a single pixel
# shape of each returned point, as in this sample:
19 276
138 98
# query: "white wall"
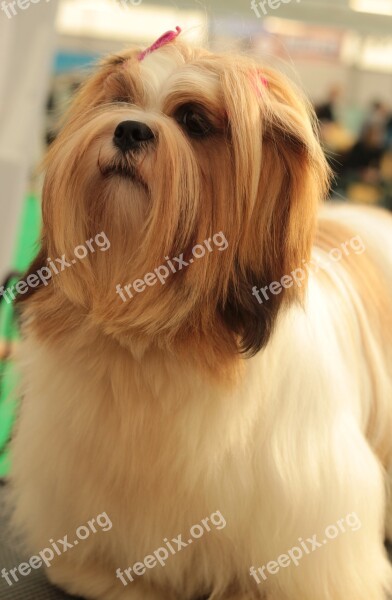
27 42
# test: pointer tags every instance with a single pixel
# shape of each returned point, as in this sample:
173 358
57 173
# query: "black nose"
130 135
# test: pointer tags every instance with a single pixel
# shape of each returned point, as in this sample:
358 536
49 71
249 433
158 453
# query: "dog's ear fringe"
293 182
251 322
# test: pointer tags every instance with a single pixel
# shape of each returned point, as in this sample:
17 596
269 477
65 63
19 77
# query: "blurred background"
339 51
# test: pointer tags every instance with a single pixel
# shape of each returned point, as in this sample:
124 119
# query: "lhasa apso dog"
242 383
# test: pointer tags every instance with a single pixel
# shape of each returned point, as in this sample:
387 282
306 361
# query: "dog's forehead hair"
164 73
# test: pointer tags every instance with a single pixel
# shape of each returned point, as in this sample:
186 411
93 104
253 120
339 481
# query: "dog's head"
171 150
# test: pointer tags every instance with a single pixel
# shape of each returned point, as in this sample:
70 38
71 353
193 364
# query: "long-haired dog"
244 382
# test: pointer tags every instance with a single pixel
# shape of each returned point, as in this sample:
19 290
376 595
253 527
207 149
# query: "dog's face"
162 154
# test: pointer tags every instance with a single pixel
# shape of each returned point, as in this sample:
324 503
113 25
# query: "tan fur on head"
258 178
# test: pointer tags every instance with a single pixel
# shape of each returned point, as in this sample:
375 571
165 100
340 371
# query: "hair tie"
256 78
166 38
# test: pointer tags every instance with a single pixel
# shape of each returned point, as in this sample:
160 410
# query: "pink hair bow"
166 38
256 79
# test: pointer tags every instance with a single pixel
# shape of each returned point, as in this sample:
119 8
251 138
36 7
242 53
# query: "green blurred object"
26 249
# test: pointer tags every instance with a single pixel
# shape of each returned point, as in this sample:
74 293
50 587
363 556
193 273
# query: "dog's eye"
194 122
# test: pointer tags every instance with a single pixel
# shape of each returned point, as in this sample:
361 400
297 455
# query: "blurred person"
389 130
326 112
377 116
368 150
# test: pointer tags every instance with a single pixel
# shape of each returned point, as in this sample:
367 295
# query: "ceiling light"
108 19
376 7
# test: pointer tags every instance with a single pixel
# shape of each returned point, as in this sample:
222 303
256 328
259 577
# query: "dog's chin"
122 168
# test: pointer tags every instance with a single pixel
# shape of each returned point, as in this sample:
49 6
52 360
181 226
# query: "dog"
252 382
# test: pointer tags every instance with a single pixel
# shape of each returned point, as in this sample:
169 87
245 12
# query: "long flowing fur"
193 397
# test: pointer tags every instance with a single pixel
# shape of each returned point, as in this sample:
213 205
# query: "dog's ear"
281 177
